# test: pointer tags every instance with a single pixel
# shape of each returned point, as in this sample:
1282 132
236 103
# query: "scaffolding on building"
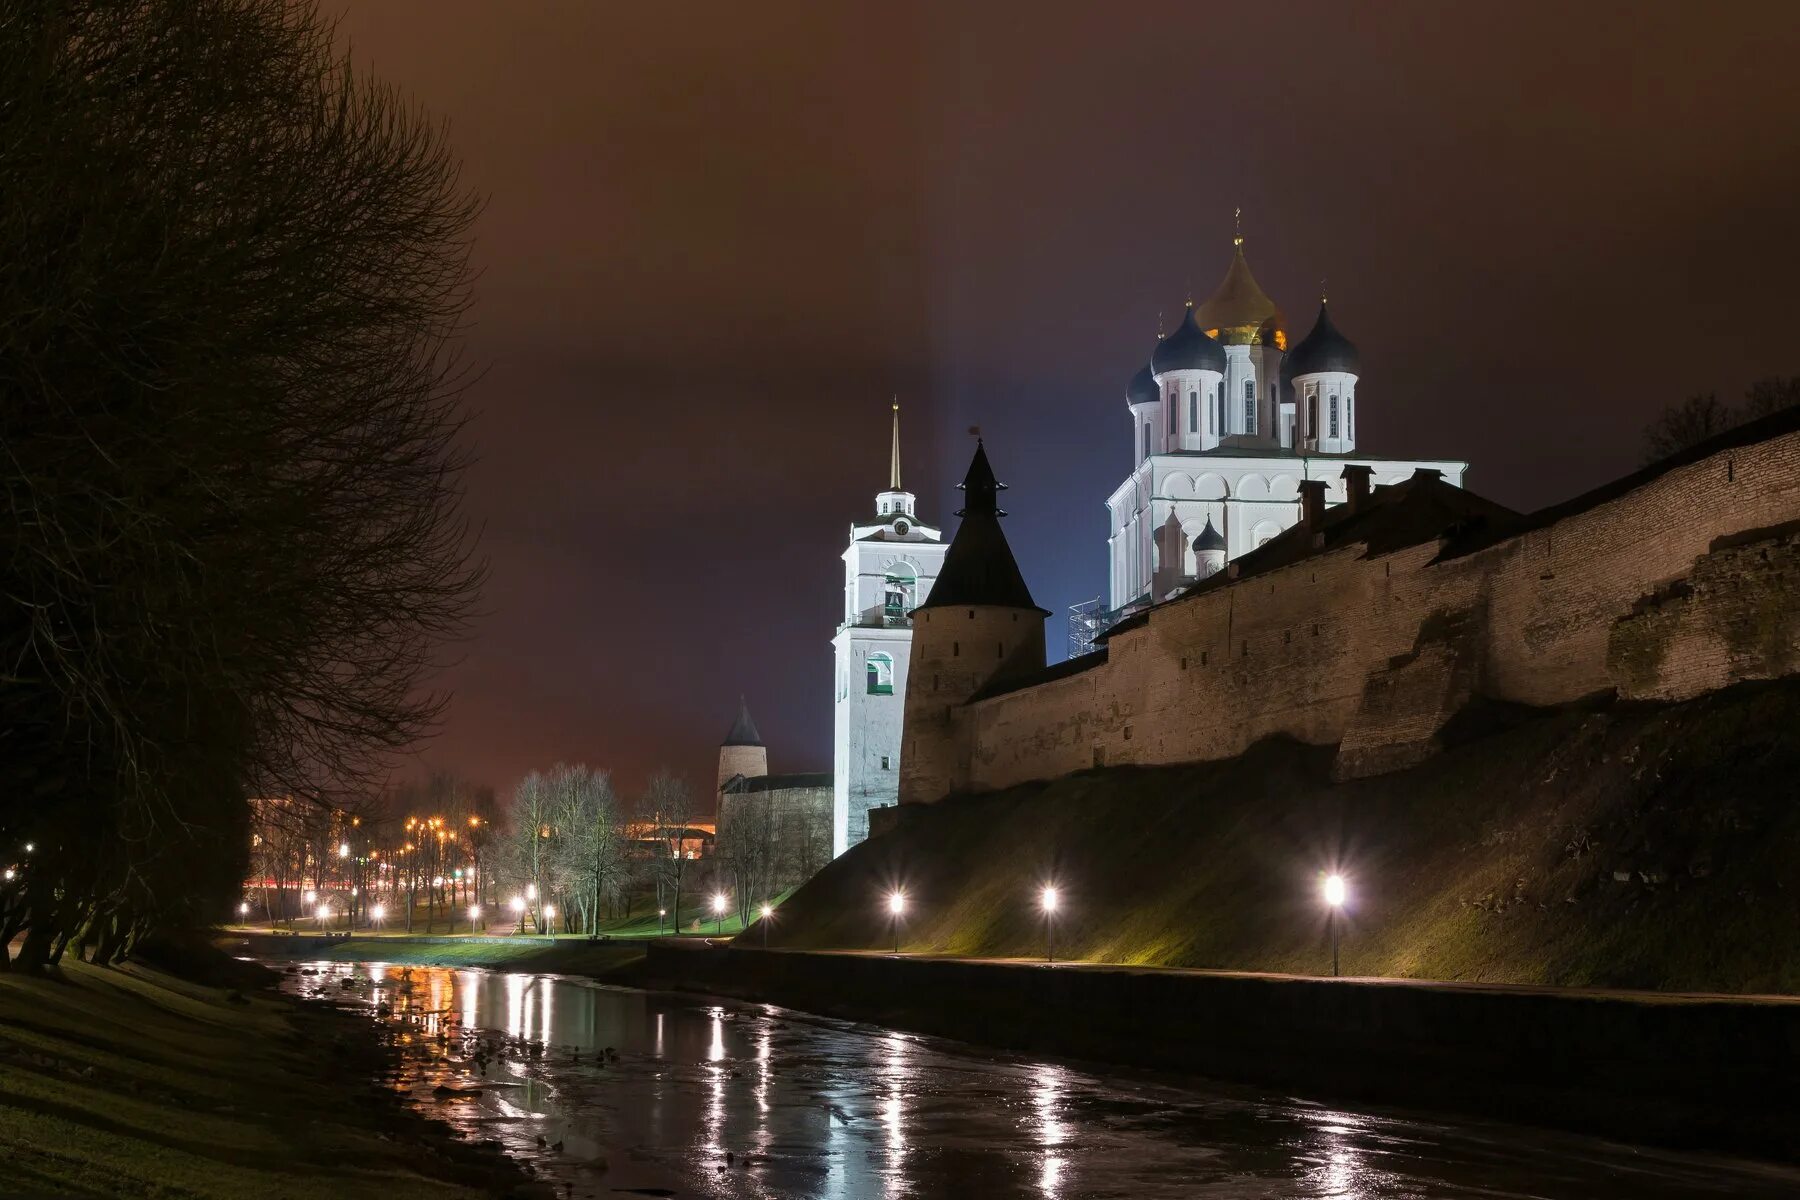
1087 621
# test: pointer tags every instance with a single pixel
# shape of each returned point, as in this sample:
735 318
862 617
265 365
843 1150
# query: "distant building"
889 569
774 831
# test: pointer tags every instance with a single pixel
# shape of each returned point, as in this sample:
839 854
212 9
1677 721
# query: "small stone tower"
742 752
979 628
1209 552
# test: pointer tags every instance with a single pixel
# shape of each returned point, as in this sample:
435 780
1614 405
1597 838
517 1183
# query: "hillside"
1630 846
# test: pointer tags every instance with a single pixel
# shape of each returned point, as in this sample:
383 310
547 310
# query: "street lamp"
324 914
767 911
343 849
718 914
660 914
1049 902
377 914
549 916
518 907
474 916
1334 900
896 907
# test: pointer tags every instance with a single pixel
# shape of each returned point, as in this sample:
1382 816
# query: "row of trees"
233 279
1700 417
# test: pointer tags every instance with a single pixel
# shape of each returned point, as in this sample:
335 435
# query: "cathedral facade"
1227 420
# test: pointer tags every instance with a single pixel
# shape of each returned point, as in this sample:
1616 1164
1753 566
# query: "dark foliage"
232 281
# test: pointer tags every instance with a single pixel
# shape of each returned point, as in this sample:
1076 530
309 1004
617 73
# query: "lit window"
881 675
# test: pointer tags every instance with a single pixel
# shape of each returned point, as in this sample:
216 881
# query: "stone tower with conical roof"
742 752
979 629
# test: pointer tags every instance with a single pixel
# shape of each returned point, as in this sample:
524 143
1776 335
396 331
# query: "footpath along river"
610 1091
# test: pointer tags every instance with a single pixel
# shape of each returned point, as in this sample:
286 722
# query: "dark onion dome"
1239 312
1210 538
979 568
1187 349
1324 349
1142 389
743 730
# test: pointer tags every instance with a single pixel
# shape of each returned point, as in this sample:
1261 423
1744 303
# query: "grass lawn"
130 1082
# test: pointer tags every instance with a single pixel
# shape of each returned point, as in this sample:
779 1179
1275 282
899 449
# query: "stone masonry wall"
1375 654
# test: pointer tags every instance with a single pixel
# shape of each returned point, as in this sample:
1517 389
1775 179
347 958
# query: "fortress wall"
1402 642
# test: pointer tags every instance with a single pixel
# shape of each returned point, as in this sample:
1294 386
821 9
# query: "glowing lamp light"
767 911
662 912
1334 891
474 912
343 849
437 881
897 903
531 891
549 911
309 896
518 904
378 913
1049 899
30 846
719 903
243 909
324 912
10 874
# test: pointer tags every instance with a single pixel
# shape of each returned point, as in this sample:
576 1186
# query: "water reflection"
630 1090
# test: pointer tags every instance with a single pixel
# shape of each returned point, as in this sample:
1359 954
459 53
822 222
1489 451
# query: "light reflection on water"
645 1090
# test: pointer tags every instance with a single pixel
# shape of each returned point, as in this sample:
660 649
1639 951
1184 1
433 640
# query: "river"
611 1091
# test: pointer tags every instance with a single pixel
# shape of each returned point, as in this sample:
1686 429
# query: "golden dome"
1239 312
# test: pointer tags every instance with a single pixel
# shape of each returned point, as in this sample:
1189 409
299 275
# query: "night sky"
718 237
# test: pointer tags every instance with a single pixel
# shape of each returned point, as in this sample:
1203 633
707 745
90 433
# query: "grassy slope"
1493 862
570 956
133 1083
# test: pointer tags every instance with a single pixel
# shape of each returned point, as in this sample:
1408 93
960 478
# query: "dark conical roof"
1188 349
979 568
1324 349
1210 538
1142 389
743 730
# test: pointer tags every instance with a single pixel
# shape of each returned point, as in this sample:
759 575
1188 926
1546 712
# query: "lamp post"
660 914
718 914
549 916
1049 901
1334 900
518 907
767 911
896 908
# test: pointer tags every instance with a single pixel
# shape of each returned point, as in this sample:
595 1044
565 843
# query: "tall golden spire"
894 461
1237 221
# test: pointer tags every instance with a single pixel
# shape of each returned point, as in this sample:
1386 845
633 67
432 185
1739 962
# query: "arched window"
1250 406
881 674
1146 439
1219 409
1312 415
900 591
1193 412
1174 411
1334 417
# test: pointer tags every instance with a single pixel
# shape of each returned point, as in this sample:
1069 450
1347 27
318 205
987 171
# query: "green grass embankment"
130 1082
562 956
1630 847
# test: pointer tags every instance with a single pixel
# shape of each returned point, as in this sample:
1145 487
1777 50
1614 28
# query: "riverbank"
608 961
1697 1072
131 1081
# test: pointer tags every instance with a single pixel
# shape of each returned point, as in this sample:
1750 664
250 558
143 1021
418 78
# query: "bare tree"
1700 417
229 390
668 808
1770 395
529 821
588 845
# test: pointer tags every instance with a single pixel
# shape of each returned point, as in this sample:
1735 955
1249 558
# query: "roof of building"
1324 349
1210 538
743 730
1189 348
1394 516
979 568
1055 671
1239 312
739 785
1142 389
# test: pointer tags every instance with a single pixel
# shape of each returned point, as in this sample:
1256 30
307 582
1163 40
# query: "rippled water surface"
610 1092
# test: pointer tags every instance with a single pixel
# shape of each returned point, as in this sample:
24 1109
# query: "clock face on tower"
900 527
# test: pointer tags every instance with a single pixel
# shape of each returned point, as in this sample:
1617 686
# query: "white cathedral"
1226 421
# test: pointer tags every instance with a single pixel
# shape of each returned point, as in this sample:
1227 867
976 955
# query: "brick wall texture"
1684 584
